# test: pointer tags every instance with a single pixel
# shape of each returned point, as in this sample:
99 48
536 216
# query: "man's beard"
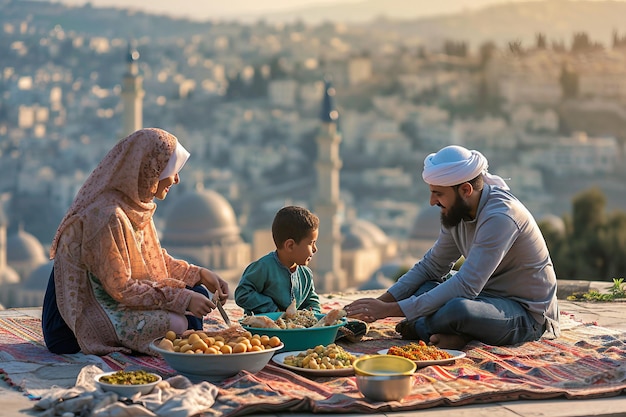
456 212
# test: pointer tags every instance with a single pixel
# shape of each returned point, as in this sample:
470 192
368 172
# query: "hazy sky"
207 9
204 9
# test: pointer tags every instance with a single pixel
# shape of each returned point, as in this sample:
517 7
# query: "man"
505 291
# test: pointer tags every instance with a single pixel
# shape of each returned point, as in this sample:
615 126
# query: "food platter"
279 358
456 354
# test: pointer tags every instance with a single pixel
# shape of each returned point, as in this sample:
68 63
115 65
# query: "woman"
113 288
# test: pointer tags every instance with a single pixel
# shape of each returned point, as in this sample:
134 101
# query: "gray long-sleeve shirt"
505 255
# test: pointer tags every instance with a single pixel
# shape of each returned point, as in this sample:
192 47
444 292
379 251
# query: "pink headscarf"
126 178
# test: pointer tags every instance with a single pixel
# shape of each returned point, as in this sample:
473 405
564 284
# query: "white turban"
176 162
455 165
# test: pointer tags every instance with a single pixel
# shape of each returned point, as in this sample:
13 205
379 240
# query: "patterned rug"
587 361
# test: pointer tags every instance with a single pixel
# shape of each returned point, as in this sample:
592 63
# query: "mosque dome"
361 234
38 279
354 239
374 232
24 249
427 224
9 276
200 217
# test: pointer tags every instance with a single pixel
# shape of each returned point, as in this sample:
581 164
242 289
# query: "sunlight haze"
207 10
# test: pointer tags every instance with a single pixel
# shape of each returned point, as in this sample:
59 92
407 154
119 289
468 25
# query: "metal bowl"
300 339
385 387
129 390
384 365
214 368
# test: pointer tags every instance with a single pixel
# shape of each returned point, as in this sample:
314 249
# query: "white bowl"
126 390
213 368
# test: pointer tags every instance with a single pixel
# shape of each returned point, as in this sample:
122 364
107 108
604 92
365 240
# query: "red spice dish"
419 352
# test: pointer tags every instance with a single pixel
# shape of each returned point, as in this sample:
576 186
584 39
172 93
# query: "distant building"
530 79
580 154
283 93
350 72
359 69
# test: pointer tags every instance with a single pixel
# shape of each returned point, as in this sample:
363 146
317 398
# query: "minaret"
328 273
132 94
3 240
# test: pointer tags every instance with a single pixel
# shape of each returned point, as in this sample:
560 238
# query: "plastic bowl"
127 391
214 368
385 387
300 339
384 365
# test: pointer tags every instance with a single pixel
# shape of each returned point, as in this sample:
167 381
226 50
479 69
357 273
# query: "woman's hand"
200 305
214 283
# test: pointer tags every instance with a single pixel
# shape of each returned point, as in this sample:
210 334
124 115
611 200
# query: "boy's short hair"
293 222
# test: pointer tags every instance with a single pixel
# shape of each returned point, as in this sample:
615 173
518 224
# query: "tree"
588 224
516 47
569 82
588 209
542 43
582 43
486 51
453 48
615 238
593 246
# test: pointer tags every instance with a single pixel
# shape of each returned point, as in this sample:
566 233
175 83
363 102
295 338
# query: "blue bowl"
300 339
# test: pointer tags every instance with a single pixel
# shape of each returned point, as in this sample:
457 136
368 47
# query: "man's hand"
366 309
371 309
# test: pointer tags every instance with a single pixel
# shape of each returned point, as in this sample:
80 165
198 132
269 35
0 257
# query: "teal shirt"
268 286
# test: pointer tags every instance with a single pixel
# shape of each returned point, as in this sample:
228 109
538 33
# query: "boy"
272 282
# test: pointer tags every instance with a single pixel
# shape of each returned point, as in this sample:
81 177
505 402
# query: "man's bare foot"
448 341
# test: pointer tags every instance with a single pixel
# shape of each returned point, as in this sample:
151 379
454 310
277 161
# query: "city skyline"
541 115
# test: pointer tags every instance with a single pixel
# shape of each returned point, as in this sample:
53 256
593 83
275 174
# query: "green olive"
129 378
